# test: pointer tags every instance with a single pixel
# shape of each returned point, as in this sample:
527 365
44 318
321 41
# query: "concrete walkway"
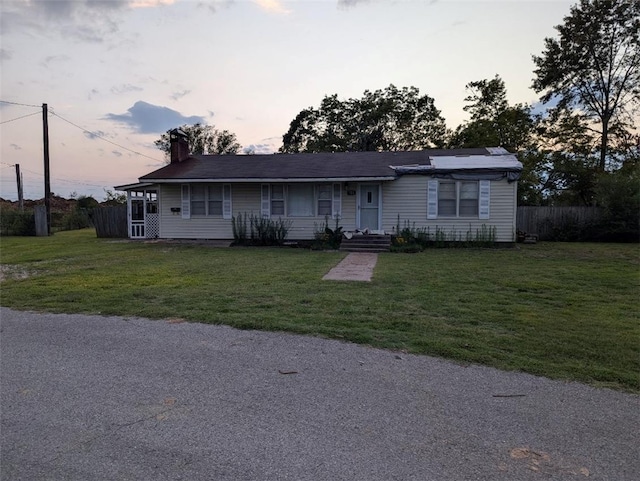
357 266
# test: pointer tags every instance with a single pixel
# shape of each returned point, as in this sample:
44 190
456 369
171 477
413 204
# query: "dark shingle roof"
339 165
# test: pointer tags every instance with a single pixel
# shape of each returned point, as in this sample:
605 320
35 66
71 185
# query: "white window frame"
326 189
267 200
186 191
484 197
279 198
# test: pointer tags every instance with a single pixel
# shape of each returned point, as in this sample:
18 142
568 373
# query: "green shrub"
76 219
618 194
14 222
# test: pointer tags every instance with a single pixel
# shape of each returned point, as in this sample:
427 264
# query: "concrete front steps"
366 243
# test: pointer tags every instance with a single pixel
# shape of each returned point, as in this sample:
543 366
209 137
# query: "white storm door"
369 207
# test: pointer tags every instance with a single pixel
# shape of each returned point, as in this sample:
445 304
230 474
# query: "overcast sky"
128 70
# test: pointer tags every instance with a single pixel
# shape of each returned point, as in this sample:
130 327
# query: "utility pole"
19 184
47 183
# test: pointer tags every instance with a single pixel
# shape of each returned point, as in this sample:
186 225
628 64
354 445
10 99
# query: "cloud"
259 149
149 3
179 95
5 54
344 4
350 3
98 134
84 20
146 118
272 6
124 88
54 59
68 8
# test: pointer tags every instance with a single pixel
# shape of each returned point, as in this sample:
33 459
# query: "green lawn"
567 311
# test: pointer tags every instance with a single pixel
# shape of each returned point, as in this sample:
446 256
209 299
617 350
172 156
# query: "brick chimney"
179 145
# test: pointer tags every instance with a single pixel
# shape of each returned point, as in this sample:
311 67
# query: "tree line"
580 148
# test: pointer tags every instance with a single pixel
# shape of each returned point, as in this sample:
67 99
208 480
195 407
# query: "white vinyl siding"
415 200
175 226
247 199
408 197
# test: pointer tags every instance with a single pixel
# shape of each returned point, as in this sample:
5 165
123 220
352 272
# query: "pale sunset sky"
125 71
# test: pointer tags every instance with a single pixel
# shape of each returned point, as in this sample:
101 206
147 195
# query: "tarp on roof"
472 167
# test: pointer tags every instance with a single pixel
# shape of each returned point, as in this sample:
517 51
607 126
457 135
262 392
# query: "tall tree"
493 121
383 120
592 70
203 139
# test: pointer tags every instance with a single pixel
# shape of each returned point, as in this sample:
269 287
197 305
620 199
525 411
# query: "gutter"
271 180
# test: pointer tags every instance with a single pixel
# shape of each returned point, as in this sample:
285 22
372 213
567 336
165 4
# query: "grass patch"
566 311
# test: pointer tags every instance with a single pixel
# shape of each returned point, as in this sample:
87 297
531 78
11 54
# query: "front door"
369 207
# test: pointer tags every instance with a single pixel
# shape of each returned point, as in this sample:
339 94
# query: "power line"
103 138
79 182
18 118
23 105
94 134
70 181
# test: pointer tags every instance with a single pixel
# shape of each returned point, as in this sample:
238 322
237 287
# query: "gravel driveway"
112 398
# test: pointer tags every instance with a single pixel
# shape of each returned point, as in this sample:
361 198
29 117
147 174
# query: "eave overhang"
137 185
272 180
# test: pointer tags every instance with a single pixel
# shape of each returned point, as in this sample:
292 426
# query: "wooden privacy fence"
544 220
111 221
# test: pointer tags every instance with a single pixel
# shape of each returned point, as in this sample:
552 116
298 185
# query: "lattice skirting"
153 226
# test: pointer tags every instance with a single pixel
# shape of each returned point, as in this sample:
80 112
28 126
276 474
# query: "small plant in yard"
409 238
324 237
239 228
262 231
